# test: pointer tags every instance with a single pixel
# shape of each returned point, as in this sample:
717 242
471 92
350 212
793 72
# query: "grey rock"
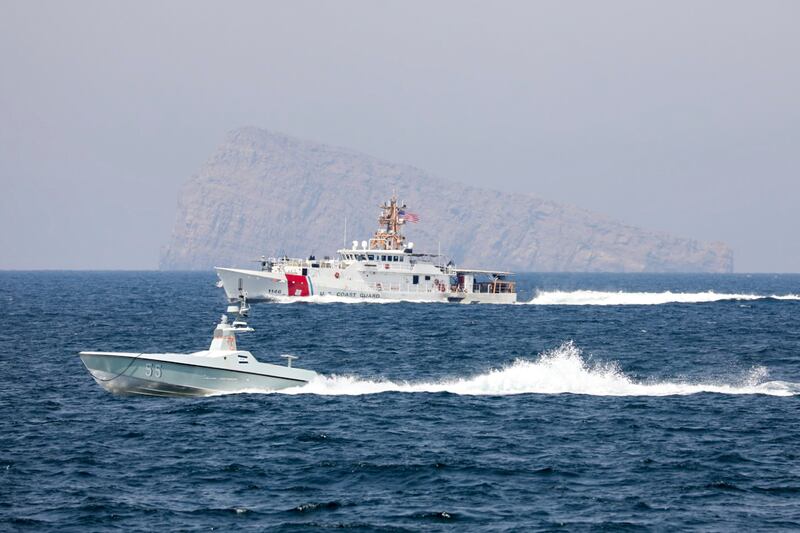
264 193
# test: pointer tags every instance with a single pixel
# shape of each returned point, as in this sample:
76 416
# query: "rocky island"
264 193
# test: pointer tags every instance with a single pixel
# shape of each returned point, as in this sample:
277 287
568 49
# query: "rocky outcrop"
264 193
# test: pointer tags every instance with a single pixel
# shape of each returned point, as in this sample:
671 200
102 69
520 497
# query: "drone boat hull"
199 374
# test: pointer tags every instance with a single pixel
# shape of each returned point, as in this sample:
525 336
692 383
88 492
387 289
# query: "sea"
636 402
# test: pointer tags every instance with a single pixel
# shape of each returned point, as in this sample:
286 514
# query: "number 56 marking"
152 370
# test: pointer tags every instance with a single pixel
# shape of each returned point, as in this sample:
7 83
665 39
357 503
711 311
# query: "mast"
388 236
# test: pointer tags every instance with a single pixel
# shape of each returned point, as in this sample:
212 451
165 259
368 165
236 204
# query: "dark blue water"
655 416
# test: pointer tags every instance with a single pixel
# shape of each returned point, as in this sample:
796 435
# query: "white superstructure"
385 267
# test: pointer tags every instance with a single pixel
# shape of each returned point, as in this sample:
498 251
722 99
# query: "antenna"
243 307
242 310
289 359
344 240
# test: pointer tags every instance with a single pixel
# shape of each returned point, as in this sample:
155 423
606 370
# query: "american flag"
408 217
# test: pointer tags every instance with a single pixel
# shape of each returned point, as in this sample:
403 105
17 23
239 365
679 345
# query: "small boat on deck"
220 369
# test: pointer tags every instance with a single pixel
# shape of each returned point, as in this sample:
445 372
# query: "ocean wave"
558 371
587 297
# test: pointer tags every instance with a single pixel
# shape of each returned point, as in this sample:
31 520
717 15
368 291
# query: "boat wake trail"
582 297
562 370
643 298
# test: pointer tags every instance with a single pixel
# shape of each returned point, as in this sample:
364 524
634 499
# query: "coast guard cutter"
386 267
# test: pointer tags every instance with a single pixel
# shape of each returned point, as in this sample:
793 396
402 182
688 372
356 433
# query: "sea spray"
589 297
558 371
578 297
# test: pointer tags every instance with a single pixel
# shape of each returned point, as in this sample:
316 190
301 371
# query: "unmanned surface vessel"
386 267
220 369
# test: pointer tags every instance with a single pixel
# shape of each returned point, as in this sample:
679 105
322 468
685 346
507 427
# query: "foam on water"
587 297
580 297
562 370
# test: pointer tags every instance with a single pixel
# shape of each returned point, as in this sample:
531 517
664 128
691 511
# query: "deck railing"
405 287
494 287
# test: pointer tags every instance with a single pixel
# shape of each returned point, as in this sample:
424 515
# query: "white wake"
586 297
579 297
562 370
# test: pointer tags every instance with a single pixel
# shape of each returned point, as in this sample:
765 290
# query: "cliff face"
264 193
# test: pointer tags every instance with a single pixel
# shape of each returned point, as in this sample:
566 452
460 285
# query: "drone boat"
220 369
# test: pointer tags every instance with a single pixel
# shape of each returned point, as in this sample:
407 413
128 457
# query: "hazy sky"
675 116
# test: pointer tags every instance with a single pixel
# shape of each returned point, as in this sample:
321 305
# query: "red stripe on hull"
297 285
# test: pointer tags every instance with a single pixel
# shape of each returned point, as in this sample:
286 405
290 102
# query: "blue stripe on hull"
127 375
